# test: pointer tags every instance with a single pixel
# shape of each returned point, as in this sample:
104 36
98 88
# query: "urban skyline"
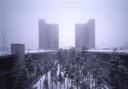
49 35
19 19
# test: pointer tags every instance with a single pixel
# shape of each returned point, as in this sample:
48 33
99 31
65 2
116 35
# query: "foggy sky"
20 20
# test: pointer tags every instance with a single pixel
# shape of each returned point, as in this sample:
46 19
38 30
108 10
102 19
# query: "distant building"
48 36
85 35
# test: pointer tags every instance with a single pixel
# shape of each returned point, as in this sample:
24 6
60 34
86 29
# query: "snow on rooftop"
109 51
39 51
4 53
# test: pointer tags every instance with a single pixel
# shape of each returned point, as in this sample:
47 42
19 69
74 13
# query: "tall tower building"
85 35
48 36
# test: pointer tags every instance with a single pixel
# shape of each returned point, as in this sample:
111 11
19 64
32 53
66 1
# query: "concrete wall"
19 51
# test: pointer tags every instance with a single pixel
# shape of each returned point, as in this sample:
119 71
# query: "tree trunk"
67 83
60 86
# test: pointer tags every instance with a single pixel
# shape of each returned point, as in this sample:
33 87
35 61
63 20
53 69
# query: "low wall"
104 60
6 65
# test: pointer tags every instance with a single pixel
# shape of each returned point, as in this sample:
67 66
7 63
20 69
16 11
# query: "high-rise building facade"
48 36
85 35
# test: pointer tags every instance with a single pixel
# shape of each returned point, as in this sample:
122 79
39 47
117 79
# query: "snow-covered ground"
40 83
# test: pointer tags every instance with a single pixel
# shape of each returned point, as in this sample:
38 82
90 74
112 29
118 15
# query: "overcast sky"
19 18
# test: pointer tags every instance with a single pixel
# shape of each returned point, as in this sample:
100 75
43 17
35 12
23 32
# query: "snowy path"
39 84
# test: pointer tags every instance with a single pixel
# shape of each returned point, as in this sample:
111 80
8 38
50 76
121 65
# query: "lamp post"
3 36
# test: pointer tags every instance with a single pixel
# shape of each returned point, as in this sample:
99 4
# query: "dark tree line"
118 73
78 69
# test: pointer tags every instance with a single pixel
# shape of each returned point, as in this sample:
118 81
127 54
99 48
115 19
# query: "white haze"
20 20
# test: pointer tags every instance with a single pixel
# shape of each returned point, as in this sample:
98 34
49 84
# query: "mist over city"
20 19
63 44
